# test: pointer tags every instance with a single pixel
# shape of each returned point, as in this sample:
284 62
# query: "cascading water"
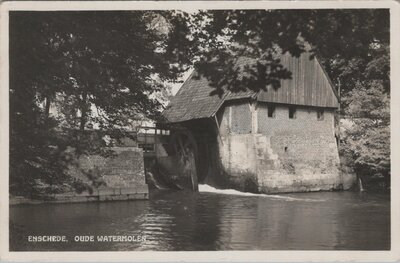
360 185
204 188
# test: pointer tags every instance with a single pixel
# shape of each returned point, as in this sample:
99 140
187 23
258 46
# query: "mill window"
292 113
241 119
271 111
320 115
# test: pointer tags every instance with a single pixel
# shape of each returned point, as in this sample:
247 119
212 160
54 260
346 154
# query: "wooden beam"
218 129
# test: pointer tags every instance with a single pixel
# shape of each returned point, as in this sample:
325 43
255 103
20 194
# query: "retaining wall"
119 176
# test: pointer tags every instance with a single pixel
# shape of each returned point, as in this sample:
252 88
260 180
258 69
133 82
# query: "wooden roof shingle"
193 101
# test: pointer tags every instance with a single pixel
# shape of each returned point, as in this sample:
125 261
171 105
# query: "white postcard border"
241 256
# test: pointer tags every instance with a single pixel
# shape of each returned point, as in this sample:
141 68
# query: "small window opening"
146 147
271 111
320 115
292 113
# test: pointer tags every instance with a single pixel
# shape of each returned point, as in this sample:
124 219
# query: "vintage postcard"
200 131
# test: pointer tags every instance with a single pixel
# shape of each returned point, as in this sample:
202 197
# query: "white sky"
176 86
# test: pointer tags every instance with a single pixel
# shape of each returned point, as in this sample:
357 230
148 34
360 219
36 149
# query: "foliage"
367 140
94 69
102 61
352 44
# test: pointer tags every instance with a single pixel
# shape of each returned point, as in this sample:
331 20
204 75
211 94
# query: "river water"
212 220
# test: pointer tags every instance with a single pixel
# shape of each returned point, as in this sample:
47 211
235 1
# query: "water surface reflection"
213 221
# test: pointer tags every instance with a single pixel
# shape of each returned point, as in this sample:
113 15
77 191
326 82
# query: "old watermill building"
272 141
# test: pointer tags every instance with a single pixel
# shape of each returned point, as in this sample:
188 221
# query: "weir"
204 188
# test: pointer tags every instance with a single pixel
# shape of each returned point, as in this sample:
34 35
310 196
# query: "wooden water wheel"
185 147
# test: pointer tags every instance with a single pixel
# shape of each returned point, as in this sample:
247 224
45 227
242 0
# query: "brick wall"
121 173
125 168
306 121
285 155
302 139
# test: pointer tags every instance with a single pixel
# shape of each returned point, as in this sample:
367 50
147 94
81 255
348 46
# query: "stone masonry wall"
116 177
283 154
236 150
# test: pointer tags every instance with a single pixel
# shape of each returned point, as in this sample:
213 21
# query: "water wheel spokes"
186 152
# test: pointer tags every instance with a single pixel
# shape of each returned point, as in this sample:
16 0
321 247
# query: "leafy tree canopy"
367 140
112 60
353 44
95 68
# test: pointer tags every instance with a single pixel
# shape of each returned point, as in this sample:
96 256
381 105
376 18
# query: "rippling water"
213 220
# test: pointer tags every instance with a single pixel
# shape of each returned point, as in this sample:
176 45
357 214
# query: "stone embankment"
119 176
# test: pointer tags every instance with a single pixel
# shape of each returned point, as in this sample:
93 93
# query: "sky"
177 86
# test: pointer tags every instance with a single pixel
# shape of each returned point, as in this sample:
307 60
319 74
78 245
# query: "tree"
367 140
352 44
105 59
96 68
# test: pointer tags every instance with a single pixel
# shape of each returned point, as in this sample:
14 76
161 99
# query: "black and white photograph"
212 128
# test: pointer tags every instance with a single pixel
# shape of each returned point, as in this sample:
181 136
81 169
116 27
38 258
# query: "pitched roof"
309 86
193 101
